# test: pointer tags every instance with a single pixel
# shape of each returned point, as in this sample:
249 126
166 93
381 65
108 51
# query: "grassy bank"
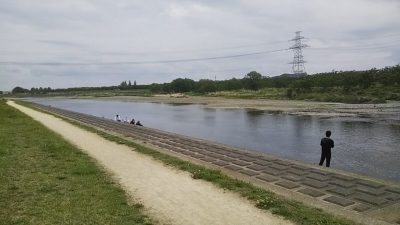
292 210
352 95
45 180
265 93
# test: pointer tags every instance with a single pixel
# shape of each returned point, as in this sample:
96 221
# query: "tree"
232 84
304 84
156 88
33 90
253 80
129 83
205 86
254 75
123 84
182 85
17 90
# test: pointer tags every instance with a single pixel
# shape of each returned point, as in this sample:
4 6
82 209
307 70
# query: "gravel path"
169 195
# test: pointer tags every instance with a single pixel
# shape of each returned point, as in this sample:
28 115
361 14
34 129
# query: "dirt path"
170 196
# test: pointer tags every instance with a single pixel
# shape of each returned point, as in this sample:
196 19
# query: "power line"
195 50
138 62
204 72
363 47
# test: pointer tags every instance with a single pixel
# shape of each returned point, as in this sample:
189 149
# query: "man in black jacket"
326 145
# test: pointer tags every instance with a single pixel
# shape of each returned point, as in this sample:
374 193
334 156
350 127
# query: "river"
361 145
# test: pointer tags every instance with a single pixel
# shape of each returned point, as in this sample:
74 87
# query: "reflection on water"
360 145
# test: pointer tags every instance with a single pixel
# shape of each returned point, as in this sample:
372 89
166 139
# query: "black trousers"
325 154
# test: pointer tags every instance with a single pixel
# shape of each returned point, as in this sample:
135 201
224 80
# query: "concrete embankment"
363 199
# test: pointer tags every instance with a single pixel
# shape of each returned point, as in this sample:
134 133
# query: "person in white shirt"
117 118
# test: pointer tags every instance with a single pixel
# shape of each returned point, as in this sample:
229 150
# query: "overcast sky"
73 43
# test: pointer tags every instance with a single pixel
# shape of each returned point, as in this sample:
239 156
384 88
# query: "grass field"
354 95
291 210
265 93
45 180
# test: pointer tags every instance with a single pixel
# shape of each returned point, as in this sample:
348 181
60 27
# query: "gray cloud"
343 35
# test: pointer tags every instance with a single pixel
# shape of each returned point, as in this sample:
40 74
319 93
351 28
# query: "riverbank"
389 110
169 195
263 199
46 180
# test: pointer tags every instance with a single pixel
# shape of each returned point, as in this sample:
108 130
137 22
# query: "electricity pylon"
298 61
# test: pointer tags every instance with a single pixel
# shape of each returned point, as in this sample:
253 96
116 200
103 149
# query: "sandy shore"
169 195
386 112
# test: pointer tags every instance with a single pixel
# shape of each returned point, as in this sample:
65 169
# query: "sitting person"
132 121
139 124
117 118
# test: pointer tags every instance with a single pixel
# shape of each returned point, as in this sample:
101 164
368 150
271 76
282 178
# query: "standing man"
326 145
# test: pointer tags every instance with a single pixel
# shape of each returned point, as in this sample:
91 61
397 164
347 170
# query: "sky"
77 43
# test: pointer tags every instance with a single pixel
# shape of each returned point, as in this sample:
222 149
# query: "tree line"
335 81
124 85
388 76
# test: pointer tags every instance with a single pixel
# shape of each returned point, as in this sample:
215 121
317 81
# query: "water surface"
361 145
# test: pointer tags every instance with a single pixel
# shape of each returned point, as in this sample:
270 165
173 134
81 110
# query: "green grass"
373 94
45 180
263 199
354 95
265 93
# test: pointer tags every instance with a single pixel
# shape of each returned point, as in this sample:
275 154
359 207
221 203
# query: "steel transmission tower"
298 61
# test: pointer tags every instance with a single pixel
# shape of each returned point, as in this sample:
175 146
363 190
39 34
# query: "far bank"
389 110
